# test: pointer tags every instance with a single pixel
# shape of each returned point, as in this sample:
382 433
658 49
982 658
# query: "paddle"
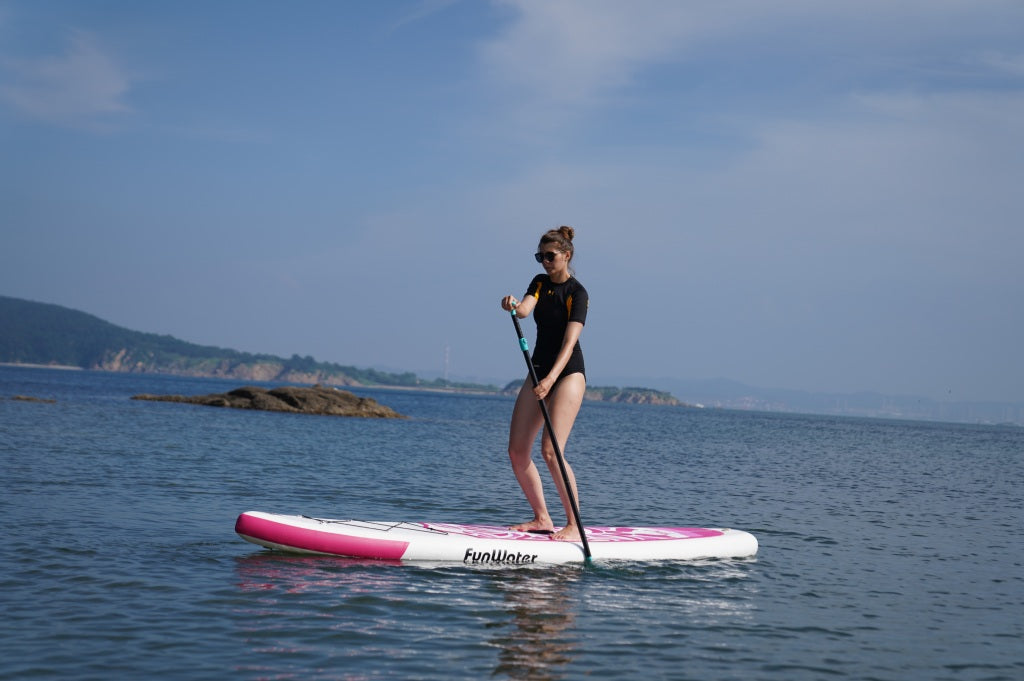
551 433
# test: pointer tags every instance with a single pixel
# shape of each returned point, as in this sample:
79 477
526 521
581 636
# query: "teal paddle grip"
524 345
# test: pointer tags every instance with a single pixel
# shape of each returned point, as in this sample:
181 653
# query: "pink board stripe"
319 540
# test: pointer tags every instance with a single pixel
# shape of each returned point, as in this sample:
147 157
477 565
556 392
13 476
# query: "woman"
559 303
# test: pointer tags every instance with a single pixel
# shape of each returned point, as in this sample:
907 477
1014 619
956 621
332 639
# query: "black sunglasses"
548 255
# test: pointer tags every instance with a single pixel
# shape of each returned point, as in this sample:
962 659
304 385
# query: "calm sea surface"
889 550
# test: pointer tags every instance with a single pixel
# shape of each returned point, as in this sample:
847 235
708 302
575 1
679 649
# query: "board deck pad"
484 544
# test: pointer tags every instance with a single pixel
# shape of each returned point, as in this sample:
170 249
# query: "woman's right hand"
509 303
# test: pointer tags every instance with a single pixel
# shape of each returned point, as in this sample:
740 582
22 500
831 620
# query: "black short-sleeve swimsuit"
557 305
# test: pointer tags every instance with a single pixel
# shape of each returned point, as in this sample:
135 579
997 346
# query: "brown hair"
561 237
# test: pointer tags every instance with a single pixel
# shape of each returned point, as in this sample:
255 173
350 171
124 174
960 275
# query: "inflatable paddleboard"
484 544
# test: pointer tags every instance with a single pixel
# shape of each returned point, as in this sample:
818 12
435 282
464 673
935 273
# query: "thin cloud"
567 55
1006 64
559 61
83 86
423 10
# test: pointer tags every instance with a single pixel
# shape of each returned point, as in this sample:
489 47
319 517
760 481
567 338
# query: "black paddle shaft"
551 433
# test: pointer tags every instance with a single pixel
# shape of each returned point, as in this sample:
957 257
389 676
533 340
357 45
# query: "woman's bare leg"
563 406
526 422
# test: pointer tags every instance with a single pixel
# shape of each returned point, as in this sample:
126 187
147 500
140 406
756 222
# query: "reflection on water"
541 641
367 615
375 609
269 571
327 613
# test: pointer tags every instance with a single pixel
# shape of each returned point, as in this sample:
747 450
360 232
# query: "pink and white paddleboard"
484 544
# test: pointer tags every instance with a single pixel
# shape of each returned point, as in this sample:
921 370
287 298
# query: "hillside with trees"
51 335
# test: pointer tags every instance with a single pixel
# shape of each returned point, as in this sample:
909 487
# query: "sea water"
888 549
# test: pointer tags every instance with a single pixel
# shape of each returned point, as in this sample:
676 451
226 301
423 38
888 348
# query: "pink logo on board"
594 534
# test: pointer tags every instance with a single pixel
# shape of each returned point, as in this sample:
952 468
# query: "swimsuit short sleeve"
534 288
578 302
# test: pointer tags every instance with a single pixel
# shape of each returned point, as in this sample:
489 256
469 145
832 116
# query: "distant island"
317 400
43 334
613 394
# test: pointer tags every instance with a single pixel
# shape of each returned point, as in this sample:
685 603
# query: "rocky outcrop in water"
315 400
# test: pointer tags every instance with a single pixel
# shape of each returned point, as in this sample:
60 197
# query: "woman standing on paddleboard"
559 305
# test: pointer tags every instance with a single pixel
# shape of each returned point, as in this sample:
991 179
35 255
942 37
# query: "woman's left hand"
543 387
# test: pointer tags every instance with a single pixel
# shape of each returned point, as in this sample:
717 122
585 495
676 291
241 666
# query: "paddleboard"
484 544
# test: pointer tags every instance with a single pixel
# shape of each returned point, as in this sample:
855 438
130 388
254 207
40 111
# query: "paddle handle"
525 347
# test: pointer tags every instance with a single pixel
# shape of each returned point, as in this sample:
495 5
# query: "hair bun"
567 231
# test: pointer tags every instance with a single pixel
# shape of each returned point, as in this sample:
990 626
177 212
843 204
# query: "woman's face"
554 261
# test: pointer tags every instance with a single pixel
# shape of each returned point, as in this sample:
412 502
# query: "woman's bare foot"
535 525
567 533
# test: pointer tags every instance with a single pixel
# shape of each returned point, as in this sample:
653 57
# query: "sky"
820 196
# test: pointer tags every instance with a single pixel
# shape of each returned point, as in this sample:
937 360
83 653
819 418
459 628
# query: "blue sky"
793 194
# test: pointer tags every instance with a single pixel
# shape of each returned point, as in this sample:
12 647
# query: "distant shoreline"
592 395
62 367
370 386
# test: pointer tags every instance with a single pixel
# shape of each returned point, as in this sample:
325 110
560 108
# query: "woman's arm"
523 307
